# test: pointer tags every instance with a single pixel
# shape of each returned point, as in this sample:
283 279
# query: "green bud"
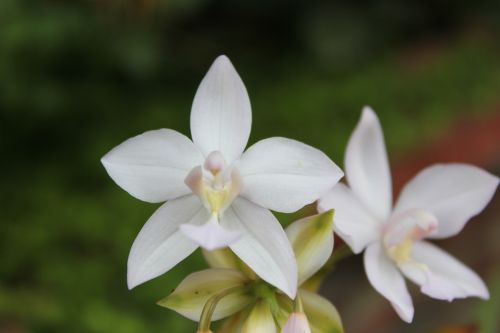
234 323
312 242
260 319
189 298
322 315
225 258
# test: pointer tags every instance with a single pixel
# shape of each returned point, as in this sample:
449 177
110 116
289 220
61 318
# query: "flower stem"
297 306
211 304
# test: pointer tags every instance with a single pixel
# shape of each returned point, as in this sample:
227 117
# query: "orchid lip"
405 228
215 183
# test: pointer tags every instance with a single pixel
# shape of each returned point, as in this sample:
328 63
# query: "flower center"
404 229
215 183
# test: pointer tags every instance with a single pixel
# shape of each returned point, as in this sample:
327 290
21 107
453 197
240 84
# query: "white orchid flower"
436 204
217 195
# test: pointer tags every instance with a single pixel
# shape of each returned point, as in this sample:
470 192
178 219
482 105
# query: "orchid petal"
323 316
353 223
388 281
452 192
189 298
263 246
221 115
152 166
312 242
160 245
284 175
441 276
260 319
367 167
210 235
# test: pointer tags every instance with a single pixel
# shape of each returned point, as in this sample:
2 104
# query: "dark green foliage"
79 77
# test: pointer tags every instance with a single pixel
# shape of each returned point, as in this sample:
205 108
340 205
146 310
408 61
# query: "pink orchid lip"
217 185
405 228
415 224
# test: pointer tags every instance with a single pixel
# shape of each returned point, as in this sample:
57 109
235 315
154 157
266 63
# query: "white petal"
264 246
312 242
452 192
152 166
284 175
297 323
211 235
352 222
221 115
189 298
160 245
385 277
442 276
367 167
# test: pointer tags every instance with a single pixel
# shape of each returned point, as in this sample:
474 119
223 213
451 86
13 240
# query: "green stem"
211 304
298 307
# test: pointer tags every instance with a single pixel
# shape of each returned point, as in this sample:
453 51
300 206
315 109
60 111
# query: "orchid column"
216 194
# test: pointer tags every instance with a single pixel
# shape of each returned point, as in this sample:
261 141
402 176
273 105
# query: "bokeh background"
79 77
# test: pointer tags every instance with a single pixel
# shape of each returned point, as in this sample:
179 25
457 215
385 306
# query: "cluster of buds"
231 290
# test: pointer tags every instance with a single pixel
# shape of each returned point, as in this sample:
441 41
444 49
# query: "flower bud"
323 316
297 323
189 298
312 242
260 319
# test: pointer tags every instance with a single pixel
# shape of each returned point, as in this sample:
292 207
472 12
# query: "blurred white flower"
437 204
217 195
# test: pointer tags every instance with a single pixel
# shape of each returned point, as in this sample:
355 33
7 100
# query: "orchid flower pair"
218 197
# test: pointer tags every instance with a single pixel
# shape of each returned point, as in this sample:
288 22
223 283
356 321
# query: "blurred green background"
79 77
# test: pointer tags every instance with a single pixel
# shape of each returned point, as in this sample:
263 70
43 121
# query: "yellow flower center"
214 183
404 229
